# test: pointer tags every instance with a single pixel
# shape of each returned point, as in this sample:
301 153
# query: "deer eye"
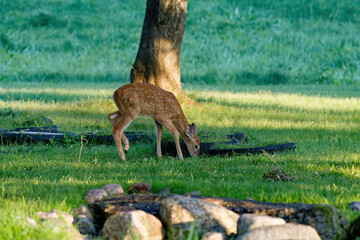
196 147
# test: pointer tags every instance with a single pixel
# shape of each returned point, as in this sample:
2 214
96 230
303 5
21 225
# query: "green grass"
324 168
280 72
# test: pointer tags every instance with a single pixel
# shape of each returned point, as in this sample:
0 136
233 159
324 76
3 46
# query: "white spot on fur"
113 116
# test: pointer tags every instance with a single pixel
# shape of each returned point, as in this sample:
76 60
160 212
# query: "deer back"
146 99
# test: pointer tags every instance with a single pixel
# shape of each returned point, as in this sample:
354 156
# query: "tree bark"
158 58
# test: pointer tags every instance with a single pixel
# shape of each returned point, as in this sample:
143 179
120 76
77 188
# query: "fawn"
145 99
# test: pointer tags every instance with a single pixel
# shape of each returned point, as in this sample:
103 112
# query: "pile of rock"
154 216
144 215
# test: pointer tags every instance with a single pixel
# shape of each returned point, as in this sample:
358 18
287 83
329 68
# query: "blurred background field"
225 42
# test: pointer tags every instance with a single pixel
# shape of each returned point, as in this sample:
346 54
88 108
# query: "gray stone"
180 212
355 206
140 188
59 225
94 195
31 222
85 226
249 222
130 225
193 193
165 191
83 210
326 219
112 189
288 231
354 229
214 236
26 221
45 216
55 214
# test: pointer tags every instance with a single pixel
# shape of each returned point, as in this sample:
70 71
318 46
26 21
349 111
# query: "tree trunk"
158 58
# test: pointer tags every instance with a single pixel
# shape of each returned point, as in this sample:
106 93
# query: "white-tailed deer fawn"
146 99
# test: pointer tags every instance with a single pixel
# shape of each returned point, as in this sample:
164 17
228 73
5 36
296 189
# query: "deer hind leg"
113 118
170 126
119 123
159 130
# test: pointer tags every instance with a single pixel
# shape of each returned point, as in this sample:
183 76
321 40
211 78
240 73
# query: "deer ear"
190 130
193 127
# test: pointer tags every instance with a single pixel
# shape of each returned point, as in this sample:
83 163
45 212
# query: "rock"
133 225
249 222
85 226
180 212
165 191
214 236
55 214
67 217
193 193
288 231
112 189
31 222
111 209
354 229
355 206
94 195
140 188
27 221
83 210
46 216
326 219
59 225
215 201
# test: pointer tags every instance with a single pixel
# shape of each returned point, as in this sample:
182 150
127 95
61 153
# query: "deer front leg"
170 126
159 131
126 142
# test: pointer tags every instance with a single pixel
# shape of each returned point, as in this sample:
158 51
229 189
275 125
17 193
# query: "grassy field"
279 72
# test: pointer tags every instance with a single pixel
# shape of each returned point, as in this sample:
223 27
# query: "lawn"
279 72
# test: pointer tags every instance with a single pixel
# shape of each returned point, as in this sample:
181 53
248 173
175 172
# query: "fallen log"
169 148
52 133
48 134
326 219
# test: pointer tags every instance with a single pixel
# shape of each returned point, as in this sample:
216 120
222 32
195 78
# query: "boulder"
327 221
179 213
26 221
94 195
55 214
83 210
355 206
249 222
193 193
112 189
140 188
354 229
31 222
135 225
58 225
214 236
85 226
288 231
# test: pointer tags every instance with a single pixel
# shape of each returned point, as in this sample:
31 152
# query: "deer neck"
181 124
